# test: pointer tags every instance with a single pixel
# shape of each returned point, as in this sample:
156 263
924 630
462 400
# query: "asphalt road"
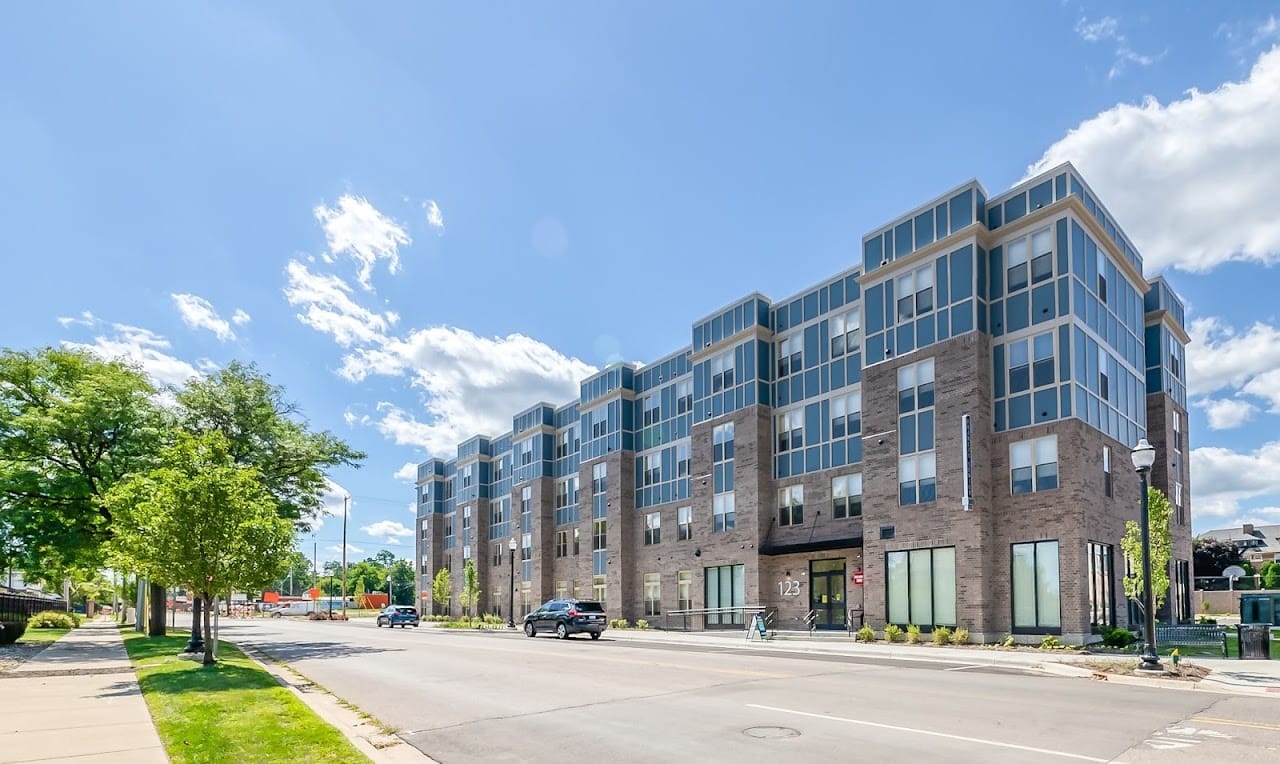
485 696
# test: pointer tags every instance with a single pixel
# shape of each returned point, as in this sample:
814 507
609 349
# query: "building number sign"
789 587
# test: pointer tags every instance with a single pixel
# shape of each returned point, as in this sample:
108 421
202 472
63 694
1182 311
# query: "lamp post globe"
1144 456
511 600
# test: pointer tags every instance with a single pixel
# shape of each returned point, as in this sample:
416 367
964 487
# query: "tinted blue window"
995 289
1042 303
811 386
811 343
997 318
961 274
942 288
961 210
1015 207
1062 247
837 294
1064 289
944 325
1064 353
837 374
924 228
998 370
995 217
875 350
1000 425
1019 411
837 453
1041 195
717 330
962 318
906 434
855 450
797 316
781 320
902 240
1046 408
1060 186
1017 312
874 315
852 369
940 217
906 339
924 331
810 306
1065 400
851 289
784 394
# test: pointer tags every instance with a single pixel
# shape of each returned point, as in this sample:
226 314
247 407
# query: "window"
1033 465
500 468
915 293
598 474
526 500
652 528
917 479
789 359
790 430
915 386
723 512
651 471
468 474
1041 256
497 555
1016 267
683 452
466 551
726 594
562 494
791 505
846 415
846 496
1104 382
1106 470
845 333
562 543
652 594
684 523
1102 587
1036 606
917 463
921 587
526 546
599 589
466 517
652 409
1102 276
598 419
684 589
562 590
524 451
722 442
722 372
599 533
684 396
577 546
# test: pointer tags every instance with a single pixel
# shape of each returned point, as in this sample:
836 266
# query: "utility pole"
346 498
315 564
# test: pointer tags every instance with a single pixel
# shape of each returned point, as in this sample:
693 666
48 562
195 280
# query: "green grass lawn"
232 711
35 636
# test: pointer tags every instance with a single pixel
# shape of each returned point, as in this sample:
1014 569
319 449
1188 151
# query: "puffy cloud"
1175 173
240 318
1227 413
1247 362
435 218
143 348
356 229
1221 479
408 473
387 531
328 307
351 549
198 313
331 504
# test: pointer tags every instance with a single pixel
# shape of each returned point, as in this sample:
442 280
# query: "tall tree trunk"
155 620
208 629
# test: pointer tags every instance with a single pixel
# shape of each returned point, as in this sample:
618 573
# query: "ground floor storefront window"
726 587
1037 593
922 587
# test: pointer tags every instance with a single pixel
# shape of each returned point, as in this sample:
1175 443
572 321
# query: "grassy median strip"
232 711
33 636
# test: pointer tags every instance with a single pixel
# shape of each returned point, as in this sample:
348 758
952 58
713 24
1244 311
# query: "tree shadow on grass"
218 677
298 651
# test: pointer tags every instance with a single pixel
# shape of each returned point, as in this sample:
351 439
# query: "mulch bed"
14 655
1185 671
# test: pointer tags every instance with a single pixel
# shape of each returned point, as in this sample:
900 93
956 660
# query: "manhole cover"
769 733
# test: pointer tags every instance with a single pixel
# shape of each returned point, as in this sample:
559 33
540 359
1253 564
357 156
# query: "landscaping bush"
913 634
53 619
10 631
941 635
1009 641
619 623
961 637
892 633
1050 642
866 634
642 624
1118 637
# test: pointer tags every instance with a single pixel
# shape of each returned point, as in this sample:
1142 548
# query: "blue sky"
374 204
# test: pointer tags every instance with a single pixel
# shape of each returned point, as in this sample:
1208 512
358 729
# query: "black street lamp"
389 602
1144 455
511 600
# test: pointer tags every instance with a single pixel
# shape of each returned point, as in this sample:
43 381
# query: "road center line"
1234 723
930 733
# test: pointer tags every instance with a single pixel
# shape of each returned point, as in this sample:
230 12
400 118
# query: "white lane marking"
964 668
930 733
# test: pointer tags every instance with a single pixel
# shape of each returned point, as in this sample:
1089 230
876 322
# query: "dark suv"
566 617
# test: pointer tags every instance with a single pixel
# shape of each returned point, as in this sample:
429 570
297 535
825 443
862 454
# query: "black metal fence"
17 608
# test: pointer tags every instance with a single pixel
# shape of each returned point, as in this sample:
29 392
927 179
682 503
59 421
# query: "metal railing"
740 617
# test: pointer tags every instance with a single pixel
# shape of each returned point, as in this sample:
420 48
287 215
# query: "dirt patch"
1185 671
18 653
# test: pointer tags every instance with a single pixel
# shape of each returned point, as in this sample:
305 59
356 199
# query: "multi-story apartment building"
939 435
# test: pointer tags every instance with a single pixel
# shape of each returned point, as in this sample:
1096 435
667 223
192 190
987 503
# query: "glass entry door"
826 593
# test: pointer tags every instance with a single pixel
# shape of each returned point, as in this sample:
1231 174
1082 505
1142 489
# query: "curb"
379 746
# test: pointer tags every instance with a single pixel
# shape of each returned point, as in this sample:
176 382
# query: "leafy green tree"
1159 511
442 590
298 576
402 582
385 557
469 597
71 427
200 521
1212 556
1270 572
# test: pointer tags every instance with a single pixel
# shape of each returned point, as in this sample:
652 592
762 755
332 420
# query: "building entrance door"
827 593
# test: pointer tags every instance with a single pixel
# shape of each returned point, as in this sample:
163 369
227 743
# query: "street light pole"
511 599
345 499
389 602
1144 455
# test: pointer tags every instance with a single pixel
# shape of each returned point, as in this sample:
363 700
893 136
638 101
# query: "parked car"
567 617
398 615
294 608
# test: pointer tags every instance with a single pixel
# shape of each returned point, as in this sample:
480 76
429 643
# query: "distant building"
1257 544
938 435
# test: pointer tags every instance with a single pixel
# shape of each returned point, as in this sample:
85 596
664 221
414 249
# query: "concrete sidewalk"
78 699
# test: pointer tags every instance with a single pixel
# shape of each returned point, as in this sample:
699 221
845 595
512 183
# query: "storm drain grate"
771 733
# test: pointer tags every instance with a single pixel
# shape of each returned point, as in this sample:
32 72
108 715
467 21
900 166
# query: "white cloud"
1107 29
351 549
1244 38
1192 181
408 473
329 308
387 531
355 228
198 313
1221 478
240 318
1225 358
142 348
1227 413
86 319
331 504
435 218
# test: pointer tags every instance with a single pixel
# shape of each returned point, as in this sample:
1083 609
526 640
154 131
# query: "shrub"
1118 637
961 637
913 634
11 631
892 633
1204 619
1009 641
1050 642
619 623
941 635
53 619
642 624
866 634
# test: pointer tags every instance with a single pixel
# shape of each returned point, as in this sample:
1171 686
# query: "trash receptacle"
1254 641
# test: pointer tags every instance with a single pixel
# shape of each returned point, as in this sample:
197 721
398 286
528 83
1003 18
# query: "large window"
652 409
845 333
726 589
562 543
1036 249
922 587
1033 465
723 512
1102 587
1106 470
1036 595
652 594
600 589
846 496
917 465
915 293
846 415
684 396
684 589
790 430
722 371
789 359
791 505
722 478
684 523
652 528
